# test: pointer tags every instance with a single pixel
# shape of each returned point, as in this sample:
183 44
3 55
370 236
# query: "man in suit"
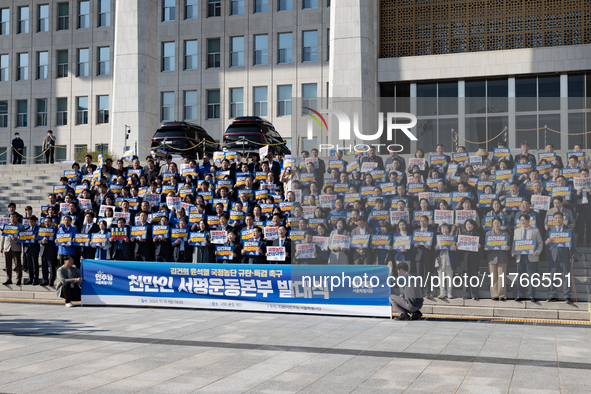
525 153
12 251
87 164
48 252
560 259
529 265
144 248
69 280
362 256
284 241
224 226
181 250
372 158
18 147
425 255
257 235
558 206
274 166
165 168
32 253
99 199
122 249
89 227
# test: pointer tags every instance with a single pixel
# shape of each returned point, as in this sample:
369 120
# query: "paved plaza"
52 349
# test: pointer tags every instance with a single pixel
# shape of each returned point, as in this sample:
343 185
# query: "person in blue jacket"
62 250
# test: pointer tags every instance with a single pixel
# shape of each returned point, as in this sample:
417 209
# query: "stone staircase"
28 185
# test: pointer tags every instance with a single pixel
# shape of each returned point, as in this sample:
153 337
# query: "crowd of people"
439 215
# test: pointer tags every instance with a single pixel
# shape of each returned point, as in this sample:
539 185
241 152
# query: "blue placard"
496 242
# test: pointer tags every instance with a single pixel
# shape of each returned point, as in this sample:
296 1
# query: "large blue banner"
318 289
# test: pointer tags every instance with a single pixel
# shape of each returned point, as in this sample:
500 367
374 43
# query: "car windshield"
170 134
243 128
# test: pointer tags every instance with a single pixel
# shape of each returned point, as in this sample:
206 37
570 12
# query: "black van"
181 138
249 133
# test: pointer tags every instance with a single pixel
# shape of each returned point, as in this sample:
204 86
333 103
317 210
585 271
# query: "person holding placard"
203 253
445 264
469 261
308 241
31 253
558 206
122 249
498 258
560 256
162 244
584 210
48 252
402 255
527 266
12 250
259 257
339 255
67 228
424 255
372 158
497 210
89 227
361 255
103 252
144 247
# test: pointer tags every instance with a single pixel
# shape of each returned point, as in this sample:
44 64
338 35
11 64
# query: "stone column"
135 101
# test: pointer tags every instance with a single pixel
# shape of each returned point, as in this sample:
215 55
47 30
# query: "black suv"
249 133
181 138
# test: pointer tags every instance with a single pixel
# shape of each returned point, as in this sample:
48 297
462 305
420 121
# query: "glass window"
236 102
427 99
23 67
213 104
190 105
167 112
475 92
41 112
576 125
23 20
43 18
310 4
309 96
83 14
448 98
63 16
526 126
4 21
191 49
60 153
3 114
236 51
213 53
81 110
284 100
103 109
236 7
83 60
102 148
526 94
62 64
497 93
261 44
104 13
285 5
552 121
104 64
167 10
21 113
285 48
3 155
260 101
4 68
261 6
576 93
214 8
191 9
39 155
310 50
42 63
62 111
168 56
549 94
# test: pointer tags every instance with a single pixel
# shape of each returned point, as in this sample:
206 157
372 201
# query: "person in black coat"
122 249
162 245
89 227
425 255
48 252
469 262
182 252
18 147
285 242
31 253
261 258
144 248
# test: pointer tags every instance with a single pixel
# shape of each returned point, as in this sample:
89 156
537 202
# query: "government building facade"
473 72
